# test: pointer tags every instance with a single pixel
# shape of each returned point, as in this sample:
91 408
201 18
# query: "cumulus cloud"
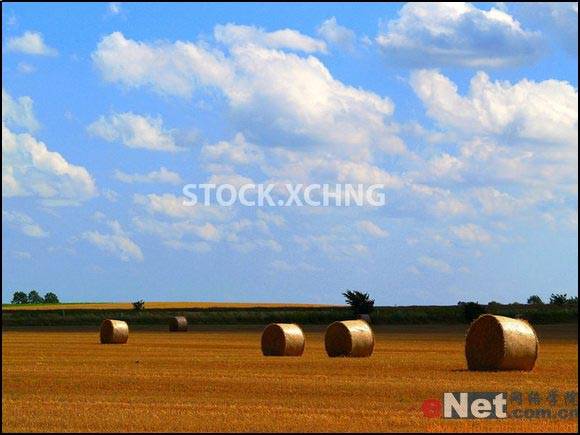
457 34
540 111
337 35
169 205
173 69
298 124
279 97
30 169
238 151
134 131
18 112
524 133
163 175
24 223
233 34
174 231
30 43
117 243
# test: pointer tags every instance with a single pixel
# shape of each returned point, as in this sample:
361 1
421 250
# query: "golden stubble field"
217 380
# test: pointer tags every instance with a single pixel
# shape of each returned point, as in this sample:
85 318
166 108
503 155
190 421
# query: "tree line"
33 297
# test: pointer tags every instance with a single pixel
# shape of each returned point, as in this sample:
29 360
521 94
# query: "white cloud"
134 131
117 243
172 206
24 223
438 201
434 264
446 166
335 34
457 34
495 202
231 179
163 175
232 34
471 233
339 243
535 111
279 97
18 112
175 231
30 169
30 43
523 135
304 167
237 151
173 69
372 229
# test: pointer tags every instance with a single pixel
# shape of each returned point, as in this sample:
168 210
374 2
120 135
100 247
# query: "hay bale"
178 324
114 332
501 343
283 339
352 338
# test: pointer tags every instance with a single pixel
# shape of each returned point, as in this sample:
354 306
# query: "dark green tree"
51 298
472 310
34 297
558 299
361 303
139 305
535 300
19 298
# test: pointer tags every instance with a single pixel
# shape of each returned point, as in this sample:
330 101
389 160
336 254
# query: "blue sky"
467 113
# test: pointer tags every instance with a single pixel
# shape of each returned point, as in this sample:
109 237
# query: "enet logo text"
475 405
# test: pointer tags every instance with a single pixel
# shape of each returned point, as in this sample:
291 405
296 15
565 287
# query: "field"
154 306
215 379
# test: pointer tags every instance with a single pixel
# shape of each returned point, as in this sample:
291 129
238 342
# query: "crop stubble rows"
219 381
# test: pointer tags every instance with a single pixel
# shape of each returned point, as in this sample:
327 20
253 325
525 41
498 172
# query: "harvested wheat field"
218 380
156 306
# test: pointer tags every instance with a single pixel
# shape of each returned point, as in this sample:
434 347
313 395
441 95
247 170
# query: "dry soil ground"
217 380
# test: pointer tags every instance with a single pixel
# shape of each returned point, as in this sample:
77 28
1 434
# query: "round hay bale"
352 338
178 324
114 332
283 339
501 343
